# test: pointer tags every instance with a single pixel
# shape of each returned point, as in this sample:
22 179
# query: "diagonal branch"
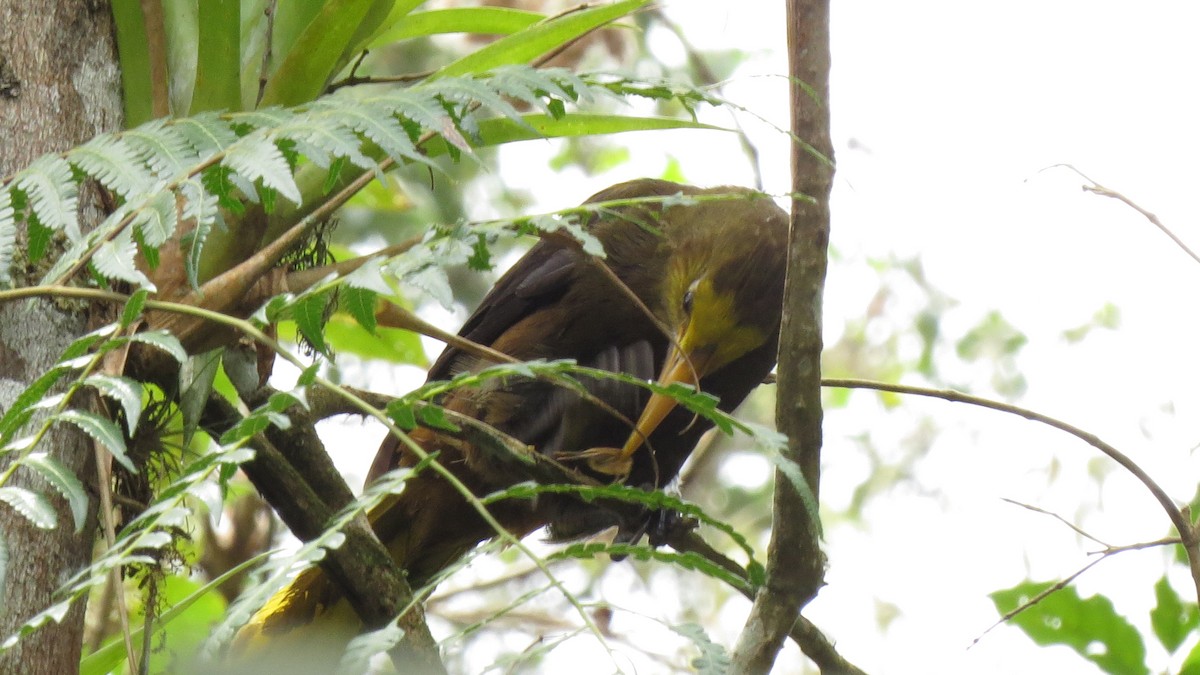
1188 534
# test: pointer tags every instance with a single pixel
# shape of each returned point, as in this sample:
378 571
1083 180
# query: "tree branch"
1188 534
372 581
795 564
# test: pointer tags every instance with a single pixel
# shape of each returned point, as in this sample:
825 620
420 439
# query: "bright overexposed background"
949 121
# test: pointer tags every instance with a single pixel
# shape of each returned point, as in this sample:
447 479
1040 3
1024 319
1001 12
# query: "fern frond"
208 133
114 163
256 157
115 260
157 219
8 237
185 170
53 194
164 148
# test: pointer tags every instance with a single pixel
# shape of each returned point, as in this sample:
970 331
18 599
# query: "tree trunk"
59 86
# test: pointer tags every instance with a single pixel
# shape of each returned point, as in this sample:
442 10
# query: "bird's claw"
610 461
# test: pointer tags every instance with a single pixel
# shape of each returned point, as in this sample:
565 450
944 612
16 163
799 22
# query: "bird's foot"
611 461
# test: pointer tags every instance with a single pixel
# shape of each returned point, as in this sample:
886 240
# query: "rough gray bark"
59 86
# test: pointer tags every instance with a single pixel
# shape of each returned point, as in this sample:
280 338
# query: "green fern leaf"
532 86
62 480
257 157
157 218
162 147
113 163
125 391
261 118
33 506
117 259
8 237
201 208
53 194
421 105
207 133
324 137
466 90
103 430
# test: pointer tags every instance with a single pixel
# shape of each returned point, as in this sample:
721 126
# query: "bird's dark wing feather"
538 279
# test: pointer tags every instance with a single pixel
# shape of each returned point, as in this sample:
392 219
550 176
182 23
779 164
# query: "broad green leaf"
103 430
498 131
1191 665
8 237
539 39
399 11
309 314
181 19
64 481
1091 627
360 304
33 506
133 308
134 53
346 335
1171 619
219 62
196 377
256 26
480 20
316 56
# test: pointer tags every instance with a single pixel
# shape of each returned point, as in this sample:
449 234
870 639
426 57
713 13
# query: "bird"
689 290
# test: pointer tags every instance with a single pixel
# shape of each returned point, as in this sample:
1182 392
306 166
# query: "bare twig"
1189 537
1098 189
1058 586
1057 517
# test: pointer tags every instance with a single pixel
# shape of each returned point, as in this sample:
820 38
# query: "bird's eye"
688 298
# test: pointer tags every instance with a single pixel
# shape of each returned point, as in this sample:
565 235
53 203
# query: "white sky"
946 116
